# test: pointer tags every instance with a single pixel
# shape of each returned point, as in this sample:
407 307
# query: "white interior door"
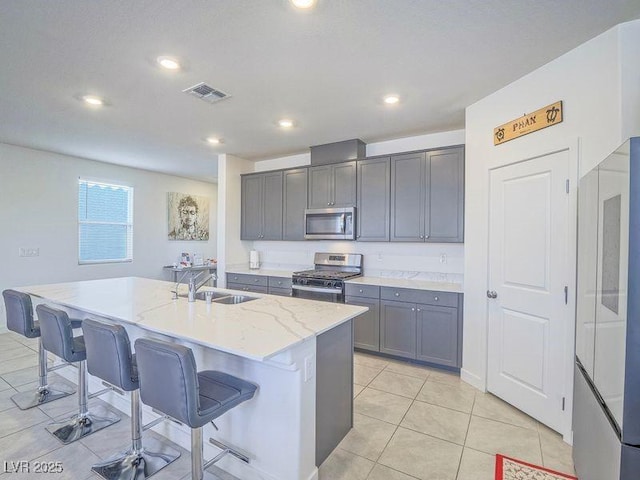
529 319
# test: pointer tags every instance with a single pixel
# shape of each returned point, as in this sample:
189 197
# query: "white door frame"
573 149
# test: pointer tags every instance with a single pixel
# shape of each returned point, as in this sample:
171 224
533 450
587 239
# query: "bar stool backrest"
57 334
109 354
169 379
20 313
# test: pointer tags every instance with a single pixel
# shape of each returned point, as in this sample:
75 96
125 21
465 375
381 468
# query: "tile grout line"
466 435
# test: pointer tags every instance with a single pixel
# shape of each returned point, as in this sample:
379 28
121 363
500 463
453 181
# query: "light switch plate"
309 367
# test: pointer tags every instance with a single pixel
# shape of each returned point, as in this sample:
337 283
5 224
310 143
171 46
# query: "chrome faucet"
175 292
194 286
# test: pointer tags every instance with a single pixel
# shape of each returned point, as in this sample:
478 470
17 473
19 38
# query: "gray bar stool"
20 320
170 383
57 338
109 358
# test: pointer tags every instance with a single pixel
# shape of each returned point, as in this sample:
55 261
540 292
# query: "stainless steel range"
326 281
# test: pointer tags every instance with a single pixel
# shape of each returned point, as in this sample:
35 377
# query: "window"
105 222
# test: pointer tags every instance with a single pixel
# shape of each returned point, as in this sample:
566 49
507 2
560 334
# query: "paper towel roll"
254 259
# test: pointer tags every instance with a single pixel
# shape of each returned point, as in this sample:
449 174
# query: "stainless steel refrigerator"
606 416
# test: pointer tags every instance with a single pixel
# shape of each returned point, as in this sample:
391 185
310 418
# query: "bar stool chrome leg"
137 462
44 393
84 422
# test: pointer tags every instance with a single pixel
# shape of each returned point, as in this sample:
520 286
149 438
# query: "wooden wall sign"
543 118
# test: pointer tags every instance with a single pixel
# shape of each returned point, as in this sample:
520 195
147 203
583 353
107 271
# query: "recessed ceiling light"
285 123
93 100
214 140
168 63
391 99
303 3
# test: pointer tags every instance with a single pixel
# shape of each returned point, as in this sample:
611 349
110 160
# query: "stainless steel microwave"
330 223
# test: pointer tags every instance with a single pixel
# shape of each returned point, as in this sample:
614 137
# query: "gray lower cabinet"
374 191
294 203
398 328
247 288
279 286
437 335
247 282
427 196
332 185
421 325
366 327
261 208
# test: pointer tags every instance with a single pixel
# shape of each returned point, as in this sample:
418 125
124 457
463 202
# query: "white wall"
589 82
39 209
382 257
630 72
231 251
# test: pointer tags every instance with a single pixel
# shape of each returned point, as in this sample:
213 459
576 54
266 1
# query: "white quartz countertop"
408 283
267 272
258 329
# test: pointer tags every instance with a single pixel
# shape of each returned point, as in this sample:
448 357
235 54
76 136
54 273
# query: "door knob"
492 294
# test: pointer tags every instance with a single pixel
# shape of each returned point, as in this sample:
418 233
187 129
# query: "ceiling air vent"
206 93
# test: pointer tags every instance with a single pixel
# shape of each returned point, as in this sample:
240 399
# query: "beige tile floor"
413 422
410 422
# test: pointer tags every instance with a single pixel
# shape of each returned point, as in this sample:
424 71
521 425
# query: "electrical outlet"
443 258
309 367
29 252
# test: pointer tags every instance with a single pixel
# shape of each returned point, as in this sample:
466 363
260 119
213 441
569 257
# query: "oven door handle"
316 289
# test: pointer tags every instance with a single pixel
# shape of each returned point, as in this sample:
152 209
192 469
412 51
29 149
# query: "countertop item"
409 283
257 330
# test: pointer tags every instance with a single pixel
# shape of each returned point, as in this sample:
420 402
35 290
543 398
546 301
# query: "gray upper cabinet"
261 217
427 195
294 203
272 207
446 195
332 185
374 192
251 221
408 175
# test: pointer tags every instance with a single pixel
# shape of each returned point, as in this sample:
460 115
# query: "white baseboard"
473 380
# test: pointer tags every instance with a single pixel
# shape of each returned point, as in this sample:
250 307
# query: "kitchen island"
299 352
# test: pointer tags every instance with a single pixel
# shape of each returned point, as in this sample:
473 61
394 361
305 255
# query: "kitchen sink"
201 295
234 299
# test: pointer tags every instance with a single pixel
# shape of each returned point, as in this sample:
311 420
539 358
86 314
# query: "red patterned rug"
512 469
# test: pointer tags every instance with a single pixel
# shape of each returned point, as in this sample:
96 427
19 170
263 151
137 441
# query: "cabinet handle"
328 204
426 236
436 298
360 290
397 294
279 283
255 279
419 310
413 309
421 236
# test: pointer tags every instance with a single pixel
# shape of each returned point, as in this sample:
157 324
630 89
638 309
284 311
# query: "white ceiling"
327 69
